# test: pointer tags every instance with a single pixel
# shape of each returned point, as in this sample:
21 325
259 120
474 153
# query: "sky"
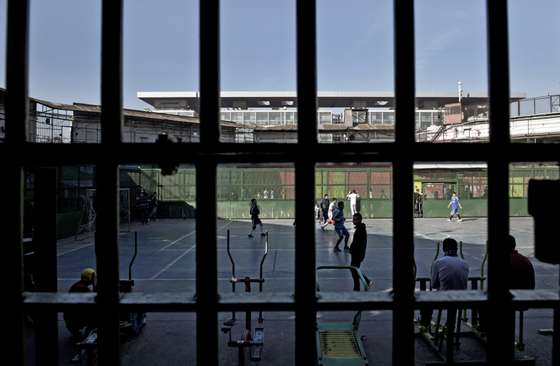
355 47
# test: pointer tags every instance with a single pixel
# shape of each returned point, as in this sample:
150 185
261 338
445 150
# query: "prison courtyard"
165 263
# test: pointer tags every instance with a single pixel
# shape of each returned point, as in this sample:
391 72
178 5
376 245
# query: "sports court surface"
166 263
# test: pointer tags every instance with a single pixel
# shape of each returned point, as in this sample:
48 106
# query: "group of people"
449 272
333 213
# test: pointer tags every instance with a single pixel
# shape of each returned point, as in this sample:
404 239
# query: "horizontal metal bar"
284 301
58 154
355 300
535 299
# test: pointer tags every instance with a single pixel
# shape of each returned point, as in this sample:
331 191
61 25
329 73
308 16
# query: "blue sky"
355 46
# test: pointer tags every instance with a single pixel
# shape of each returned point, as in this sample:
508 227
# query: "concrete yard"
166 263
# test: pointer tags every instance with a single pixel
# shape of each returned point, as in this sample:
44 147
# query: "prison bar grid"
498 152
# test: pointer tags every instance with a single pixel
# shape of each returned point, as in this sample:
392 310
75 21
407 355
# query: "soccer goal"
89 215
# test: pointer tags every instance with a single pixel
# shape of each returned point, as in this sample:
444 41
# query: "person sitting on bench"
450 272
521 277
522 274
78 323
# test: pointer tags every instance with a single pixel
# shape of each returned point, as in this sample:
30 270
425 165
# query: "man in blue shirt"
338 218
455 207
450 272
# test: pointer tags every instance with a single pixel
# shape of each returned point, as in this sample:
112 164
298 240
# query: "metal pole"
45 262
306 63
403 250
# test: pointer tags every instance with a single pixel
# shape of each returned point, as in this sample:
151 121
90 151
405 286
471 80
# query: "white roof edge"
292 94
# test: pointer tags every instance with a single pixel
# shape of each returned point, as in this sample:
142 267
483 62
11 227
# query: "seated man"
449 272
522 275
78 323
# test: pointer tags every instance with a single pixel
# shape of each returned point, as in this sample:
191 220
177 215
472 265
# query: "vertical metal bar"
206 244
209 71
107 254
111 71
305 264
306 24
45 262
17 48
11 223
306 63
107 183
501 330
556 337
206 264
403 242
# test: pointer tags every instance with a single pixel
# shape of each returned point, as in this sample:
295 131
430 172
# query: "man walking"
358 249
455 208
338 217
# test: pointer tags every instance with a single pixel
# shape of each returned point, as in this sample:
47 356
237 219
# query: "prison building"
51 122
269 116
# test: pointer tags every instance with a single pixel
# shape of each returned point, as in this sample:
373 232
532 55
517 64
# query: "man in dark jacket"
324 205
358 249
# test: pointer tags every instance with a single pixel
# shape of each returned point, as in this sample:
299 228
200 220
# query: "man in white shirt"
329 220
353 198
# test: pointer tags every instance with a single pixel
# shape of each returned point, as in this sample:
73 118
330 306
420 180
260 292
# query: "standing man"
338 217
358 249
455 208
352 196
324 205
419 203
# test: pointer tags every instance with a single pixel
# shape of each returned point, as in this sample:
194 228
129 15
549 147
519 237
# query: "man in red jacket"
522 274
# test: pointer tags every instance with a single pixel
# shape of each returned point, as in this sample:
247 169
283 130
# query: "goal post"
89 214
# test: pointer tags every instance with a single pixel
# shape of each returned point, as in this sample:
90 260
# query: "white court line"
178 240
182 255
189 234
74 249
172 262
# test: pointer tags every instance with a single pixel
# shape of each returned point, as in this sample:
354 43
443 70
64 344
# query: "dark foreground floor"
166 263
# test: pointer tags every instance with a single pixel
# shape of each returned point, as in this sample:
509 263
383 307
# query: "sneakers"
449 220
250 235
263 234
346 247
337 249
460 220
